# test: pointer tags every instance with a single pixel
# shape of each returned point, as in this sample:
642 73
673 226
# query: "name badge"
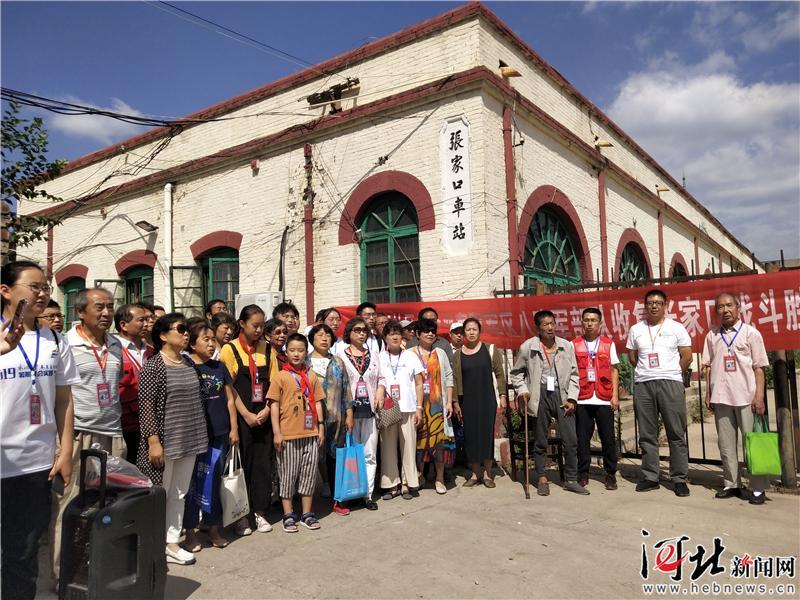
394 396
551 383
36 409
361 390
426 388
730 364
652 360
103 395
309 420
591 376
258 394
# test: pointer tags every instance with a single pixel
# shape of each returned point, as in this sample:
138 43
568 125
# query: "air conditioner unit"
266 300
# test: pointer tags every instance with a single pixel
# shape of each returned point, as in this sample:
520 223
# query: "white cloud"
738 143
718 24
104 130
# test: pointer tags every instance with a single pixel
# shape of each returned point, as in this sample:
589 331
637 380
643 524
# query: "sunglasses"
359 330
180 328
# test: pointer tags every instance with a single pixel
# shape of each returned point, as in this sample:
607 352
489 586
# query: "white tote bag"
233 491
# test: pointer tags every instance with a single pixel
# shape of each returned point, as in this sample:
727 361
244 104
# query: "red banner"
770 302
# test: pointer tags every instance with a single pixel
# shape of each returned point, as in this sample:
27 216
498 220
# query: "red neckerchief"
302 379
250 360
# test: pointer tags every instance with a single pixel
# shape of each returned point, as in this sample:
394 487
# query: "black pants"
587 415
25 517
132 439
257 452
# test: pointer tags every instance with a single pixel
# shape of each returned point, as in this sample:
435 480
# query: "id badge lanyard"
258 390
394 389
35 398
103 389
551 381
310 416
652 358
591 373
730 357
426 385
362 393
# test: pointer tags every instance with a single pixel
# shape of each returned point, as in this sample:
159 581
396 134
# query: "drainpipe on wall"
601 201
168 245
511 199
308 230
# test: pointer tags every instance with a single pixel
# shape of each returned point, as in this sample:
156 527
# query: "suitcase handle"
102 456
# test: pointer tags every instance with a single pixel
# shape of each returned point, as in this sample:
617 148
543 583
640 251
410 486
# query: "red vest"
601 386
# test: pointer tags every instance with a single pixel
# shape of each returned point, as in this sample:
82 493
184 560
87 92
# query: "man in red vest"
598 396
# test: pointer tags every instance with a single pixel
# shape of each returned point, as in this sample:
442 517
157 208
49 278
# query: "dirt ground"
492 543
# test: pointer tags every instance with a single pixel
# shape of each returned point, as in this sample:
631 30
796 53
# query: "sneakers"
262 525
758 498
728 493
340 510
179 556
681 489
576 488
243 527
645 485
543 488
611 481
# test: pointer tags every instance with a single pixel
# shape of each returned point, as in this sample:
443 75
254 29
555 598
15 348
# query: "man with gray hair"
98 357
734 358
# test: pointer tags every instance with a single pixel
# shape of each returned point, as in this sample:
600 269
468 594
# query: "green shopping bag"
761 448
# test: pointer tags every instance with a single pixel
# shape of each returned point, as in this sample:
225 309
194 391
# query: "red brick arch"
551 197
386 181
628 236
217 239
136 258
677 258
73 271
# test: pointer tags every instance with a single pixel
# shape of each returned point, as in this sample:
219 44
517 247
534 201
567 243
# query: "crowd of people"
165 388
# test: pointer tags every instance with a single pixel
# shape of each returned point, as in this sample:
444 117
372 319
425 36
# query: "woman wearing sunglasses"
364 378
172 422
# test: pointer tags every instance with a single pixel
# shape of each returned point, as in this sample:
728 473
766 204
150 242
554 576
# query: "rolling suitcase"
112 542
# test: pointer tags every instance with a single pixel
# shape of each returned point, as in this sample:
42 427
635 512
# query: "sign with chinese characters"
769 302
456 193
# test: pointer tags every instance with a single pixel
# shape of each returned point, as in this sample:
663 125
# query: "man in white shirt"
98 357
661 350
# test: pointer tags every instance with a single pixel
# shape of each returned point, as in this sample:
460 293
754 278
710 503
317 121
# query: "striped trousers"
297 465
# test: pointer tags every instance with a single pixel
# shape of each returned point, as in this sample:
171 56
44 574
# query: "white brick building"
262 171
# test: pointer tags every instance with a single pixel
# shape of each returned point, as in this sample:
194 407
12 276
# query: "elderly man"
545 376
98 357
734 358
660 349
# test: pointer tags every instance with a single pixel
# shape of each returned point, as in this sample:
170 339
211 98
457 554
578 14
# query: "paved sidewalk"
483 543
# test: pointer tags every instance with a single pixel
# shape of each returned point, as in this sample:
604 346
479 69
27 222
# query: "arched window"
550 255
678 270
70 289
390 250
139 285
221 276
632 264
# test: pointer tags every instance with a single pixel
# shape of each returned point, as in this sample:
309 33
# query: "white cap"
456 325
405 323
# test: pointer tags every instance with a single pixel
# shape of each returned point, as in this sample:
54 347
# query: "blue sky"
710 90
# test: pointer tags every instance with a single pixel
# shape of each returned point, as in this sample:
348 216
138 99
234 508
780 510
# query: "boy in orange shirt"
295 396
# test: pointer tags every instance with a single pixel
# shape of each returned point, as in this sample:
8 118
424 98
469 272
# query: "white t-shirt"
401 371
662 341
30 448
594 399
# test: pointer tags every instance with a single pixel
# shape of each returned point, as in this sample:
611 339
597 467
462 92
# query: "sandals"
310 521
471 482
390 494
441 489
406 494
290 523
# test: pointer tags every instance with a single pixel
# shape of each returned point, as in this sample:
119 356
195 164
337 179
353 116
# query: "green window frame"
139 285
678 270
390 251
550 255
632 265
221 276
70 289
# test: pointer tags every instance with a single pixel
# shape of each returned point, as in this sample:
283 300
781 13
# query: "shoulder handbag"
386 417
233 489
761 449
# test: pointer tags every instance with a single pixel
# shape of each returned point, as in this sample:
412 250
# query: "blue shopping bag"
203 477
351 472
